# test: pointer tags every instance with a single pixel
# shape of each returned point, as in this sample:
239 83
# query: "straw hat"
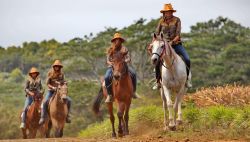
117 36
167 7
34 70
57 63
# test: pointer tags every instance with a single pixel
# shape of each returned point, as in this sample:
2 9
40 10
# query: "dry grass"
228 95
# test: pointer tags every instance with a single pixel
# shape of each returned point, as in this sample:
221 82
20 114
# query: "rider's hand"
170 42
54 88
31 93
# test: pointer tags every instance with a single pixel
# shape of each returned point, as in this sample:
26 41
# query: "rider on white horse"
170 26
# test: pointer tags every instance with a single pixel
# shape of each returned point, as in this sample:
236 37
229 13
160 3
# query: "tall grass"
230 122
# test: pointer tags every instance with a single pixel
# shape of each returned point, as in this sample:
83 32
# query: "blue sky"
36 20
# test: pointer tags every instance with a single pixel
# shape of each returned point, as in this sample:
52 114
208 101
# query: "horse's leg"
126 117
24 133
49 125
171 124
177 106
120 114
61 132
164 105
112 118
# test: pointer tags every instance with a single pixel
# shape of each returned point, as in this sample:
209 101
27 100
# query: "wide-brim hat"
57 63
34 70
167 7
117 36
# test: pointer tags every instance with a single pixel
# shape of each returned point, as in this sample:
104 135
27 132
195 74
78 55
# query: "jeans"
180 50
28 102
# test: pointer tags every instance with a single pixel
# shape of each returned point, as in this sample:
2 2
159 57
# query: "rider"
115 49
170 26
54 75
33 84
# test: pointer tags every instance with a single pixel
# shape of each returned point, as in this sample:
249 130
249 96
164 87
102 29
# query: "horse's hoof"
126 133
120 135
172 128
114 135
165 128
179 122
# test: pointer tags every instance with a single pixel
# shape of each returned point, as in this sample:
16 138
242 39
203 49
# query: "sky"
37 20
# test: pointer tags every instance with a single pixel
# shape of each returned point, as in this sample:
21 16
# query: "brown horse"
57 111
33 116
122 91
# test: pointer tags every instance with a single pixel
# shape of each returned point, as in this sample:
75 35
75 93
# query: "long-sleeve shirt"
53 77
169 27
118 53
32 85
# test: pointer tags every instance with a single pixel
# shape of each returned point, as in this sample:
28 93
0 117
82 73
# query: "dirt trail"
125 139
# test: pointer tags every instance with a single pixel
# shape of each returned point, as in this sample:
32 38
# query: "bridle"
160 56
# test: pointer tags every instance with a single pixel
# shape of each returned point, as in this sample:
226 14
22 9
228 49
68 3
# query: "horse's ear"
161 35
154 36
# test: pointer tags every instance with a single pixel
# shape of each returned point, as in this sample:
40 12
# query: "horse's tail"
97 101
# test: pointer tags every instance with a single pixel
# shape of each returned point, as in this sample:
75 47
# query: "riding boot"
68 120
109 98
23 116
157 76
188 83
43 113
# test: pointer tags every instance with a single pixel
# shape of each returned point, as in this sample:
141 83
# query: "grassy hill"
218 49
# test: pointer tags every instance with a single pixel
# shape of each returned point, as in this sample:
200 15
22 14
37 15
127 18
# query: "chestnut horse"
33 116
57 111
122 93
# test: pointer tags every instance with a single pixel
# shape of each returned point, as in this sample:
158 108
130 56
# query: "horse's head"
119 65
157 48
62 91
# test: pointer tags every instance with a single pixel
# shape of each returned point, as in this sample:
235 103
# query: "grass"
229 122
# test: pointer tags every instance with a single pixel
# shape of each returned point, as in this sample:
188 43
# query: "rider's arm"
109 62
158 29
178 31
127 58
48 81
26 88
40 88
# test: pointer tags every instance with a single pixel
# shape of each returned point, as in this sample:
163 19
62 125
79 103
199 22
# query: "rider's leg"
27 103
69 106
134 80
108 85
45 106
157 75
179 49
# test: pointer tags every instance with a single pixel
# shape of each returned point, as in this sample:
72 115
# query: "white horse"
174 77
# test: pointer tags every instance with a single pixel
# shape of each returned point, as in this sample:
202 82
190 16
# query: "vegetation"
218 50
231 123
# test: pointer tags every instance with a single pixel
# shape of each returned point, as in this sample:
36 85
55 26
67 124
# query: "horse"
174 77
57 110
122 93
33 116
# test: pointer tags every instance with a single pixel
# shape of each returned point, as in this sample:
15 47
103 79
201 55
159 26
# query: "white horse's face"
157 49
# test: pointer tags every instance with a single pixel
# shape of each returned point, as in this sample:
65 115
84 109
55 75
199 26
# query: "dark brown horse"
33 116
122 91
58 111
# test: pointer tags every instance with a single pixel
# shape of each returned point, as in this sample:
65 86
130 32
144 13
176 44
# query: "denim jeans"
28 102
